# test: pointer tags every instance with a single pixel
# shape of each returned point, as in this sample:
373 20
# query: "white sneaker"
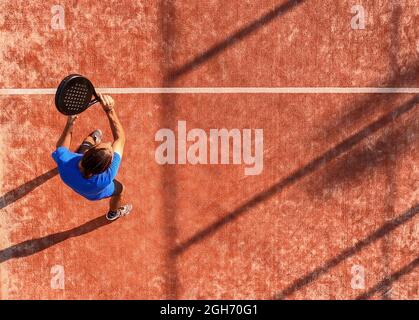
122 211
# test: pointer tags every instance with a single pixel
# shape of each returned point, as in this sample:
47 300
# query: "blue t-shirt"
94 188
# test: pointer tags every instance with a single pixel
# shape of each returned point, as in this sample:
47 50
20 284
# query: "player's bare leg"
116 207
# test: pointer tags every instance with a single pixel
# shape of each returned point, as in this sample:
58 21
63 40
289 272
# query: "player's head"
97 159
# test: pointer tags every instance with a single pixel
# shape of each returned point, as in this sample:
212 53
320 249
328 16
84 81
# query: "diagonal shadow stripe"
331 263
369 105
234 38
21 191
386 283
297 175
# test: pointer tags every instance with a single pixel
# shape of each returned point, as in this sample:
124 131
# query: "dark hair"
95 161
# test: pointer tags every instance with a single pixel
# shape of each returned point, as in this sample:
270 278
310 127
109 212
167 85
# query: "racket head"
74 95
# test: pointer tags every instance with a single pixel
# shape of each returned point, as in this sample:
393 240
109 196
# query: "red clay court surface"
340 184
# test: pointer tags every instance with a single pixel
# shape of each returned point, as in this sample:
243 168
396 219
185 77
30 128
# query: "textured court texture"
333 214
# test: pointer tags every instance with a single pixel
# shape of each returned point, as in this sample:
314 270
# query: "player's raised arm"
65 138
118 132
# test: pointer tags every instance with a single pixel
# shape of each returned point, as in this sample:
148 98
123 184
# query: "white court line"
226 90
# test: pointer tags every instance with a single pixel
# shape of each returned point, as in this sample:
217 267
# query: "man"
92 169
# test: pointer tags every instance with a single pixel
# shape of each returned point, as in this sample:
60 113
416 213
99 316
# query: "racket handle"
96 95
93 102
96 100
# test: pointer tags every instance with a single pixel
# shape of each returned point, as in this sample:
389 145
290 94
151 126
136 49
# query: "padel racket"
74 95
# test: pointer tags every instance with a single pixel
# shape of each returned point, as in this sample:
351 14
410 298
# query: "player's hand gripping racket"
74 95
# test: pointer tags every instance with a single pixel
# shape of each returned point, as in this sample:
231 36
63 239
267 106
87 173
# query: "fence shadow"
168 173
233 39
333 262
354 165
389 280
297 175
168 116
369 105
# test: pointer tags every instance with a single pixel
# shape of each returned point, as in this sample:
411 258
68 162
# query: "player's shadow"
300 173
237 36
21 191
30 247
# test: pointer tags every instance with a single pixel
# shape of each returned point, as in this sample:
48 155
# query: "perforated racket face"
74 95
